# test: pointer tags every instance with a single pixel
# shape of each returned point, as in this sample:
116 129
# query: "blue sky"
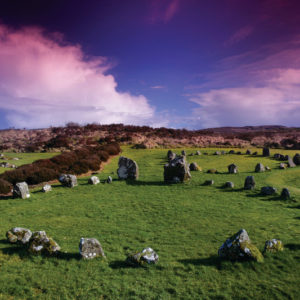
172 63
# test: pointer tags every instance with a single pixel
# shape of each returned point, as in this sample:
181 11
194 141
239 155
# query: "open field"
185 224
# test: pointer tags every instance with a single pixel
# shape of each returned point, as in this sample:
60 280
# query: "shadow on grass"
230 190
143 183
293 247
297 206
122 264
6 197
214 261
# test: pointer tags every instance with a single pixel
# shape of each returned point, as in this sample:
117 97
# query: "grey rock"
296 159
19 235
209 182
229 184
194 167
223 152
40 243
90 248
46 188
176 170
146 256
109 179
68 180
267 168
282 166
259 168
248 152
171 155
212 171
285 194
183 153
273 245
254 153
198 152
281 157
291 163
268 190
277 155
128 169
21 190
232 169
94 180
231 152
249 183
266 151
239 153
217 153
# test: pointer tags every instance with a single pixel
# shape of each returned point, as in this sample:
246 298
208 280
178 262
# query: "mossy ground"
184 223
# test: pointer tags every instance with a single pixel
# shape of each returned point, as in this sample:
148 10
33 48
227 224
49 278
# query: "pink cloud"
240 35
163 10
46 81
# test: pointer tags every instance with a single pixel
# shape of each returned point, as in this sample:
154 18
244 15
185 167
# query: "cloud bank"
45 81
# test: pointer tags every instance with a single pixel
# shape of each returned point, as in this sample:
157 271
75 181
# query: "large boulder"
94 180
266 151
40 243
177 170
239 247
267 190
259 168
232 169
19 235
128 168
296 159
68 180
249 183
194 167
90 248
21 190
147 256
171 155
273 245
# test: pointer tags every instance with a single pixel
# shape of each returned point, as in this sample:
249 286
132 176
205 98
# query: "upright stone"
259 168
248 152
90 248
198 152
232 169
249 183
194 167
46 188
183 153
94 180
68 180
171 155
296 159
21 190
128 169
109 179
285 194
176 170
291 163
266 151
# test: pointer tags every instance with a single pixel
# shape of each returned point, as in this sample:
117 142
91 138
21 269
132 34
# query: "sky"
164 63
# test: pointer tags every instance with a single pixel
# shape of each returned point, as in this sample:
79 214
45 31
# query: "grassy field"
184 223
24 158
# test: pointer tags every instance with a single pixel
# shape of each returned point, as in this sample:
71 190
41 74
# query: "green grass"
24 158
184 223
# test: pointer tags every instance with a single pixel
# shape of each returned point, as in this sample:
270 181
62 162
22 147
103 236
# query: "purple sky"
172 63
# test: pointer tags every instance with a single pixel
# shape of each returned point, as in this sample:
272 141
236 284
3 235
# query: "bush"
5 186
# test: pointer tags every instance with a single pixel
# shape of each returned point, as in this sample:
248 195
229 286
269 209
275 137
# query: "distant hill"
73 136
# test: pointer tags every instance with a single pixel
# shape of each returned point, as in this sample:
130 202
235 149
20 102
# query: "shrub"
5 186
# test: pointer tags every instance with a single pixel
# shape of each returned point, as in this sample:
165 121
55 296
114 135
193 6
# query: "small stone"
231 152
90 248
273 245
147 256
239 153
268 190
254 153
183 153
232 169
94 180
249 183
21 190
194 167
19 235
248 152
209 182
266 151
46 188
68 180
229 184
198 152
171 155
259 168
291 163
267 168
109 179
285 194
296 159
282 166
217 153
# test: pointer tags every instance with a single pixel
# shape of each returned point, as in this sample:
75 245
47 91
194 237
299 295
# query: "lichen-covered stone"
128 169
176 170
232 169
259 168
273 246
249 183
171 155
46 188
194 167
229 184
40 243
239 247
109 179
147 256
94 180
19 235
282 166
198 152
266 151
21 190
268 190
285 194
90 248
68 180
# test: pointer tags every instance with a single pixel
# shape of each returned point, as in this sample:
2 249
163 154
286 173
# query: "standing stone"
249 183
68 180
90 248
259 168
183 153
273 246
109 179
21 190
266 151
282 166
176 170
209 182
94 180
296 159
229 184
285 194
291 163
239 247
267 190
232 169
171 155
19 235
147 256
198 152
231 152
194 167
40 243
248 152
128 169
46 188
